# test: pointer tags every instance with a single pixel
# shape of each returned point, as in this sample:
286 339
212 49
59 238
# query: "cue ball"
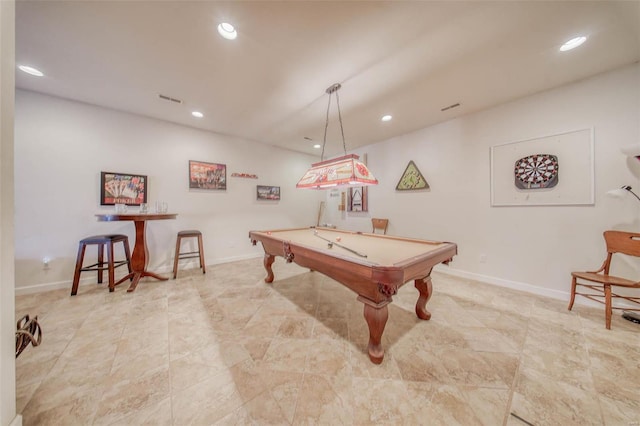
338 239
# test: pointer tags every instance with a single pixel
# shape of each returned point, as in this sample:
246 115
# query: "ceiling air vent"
450 107
169 98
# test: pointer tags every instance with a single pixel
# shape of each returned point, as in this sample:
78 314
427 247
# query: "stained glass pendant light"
341 171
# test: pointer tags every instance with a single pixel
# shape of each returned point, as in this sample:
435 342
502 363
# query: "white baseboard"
515 285
528 288
91 280
17 421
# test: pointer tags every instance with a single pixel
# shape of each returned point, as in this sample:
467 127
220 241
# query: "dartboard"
536 171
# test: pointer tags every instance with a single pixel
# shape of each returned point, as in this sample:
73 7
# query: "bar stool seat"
189 254
110 265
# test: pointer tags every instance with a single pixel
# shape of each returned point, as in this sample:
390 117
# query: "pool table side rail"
355 275
359 275
274 233
414 268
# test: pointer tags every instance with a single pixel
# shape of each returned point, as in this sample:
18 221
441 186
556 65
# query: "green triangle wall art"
412 179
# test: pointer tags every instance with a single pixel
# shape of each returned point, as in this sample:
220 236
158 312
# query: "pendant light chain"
344 144
330 91
326 126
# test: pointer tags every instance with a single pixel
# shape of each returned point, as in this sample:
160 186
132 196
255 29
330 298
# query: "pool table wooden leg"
268 261
426 289
376 317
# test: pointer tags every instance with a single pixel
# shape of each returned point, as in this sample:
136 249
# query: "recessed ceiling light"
573 43
197 114
386 118
31 70
227 31
317 146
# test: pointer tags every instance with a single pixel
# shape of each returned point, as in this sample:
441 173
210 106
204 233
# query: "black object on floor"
631 316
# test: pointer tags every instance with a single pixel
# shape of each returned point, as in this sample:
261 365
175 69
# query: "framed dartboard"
536 171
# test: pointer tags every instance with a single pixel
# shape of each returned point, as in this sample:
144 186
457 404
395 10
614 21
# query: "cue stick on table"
331 243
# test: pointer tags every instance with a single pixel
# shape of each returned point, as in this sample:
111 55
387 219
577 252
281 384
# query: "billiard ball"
338 239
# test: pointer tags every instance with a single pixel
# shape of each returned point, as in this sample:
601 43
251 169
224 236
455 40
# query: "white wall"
7 291
61 148
524 246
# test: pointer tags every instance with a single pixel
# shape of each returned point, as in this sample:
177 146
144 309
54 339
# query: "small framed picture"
268 192
207 175
122 188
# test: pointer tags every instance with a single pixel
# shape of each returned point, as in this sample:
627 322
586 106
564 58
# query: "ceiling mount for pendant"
333 88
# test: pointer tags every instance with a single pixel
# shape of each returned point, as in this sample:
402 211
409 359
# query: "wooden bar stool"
190 254
100 265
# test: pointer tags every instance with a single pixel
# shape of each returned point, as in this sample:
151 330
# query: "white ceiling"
407 59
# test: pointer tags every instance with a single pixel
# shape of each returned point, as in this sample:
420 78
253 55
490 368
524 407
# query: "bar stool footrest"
96 267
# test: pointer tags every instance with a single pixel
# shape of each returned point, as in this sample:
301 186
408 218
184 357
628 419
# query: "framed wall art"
207 175
358 199
550 170
412 179
122 188
265 192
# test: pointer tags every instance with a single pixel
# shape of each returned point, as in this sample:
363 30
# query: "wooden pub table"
373 266
140 255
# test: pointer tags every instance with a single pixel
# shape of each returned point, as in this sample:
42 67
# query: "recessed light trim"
317 146
197 114
227 31
386 117
573 43
30 70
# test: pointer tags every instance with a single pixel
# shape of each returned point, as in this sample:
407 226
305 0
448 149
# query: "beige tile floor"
226 348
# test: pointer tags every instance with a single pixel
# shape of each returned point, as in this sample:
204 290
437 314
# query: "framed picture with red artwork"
207 175
122 188
265 192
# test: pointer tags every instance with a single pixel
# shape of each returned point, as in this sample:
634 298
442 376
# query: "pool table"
372 265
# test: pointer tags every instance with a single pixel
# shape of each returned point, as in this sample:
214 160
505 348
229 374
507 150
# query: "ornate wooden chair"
599 283
379 225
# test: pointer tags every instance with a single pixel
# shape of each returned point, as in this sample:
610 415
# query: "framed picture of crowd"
122 188
265 192
207 175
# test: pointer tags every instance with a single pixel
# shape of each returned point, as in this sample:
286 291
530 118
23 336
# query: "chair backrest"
379 224
622 242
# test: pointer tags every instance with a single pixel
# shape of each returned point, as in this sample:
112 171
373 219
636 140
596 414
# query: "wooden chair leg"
127 254
201 251
607 305
111 268
176 258
76 275
573 292
100 262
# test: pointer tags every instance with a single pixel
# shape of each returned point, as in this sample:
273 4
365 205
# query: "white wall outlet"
45 262
483 258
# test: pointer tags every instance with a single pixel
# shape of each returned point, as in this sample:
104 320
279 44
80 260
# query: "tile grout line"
517 373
